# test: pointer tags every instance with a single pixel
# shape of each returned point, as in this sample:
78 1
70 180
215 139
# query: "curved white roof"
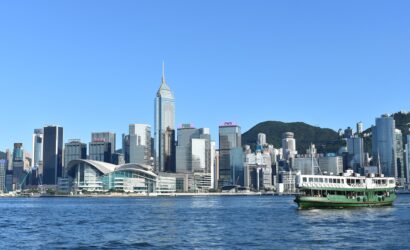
106 168
103 167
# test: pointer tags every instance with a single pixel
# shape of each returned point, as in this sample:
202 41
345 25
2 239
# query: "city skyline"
249 64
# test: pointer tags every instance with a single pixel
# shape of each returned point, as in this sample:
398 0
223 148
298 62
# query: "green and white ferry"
347 190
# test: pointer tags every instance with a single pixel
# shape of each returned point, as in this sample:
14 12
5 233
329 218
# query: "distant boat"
347 190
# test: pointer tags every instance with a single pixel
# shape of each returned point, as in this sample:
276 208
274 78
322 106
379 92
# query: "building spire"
163 72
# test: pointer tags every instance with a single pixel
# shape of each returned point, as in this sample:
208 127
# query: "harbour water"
215 222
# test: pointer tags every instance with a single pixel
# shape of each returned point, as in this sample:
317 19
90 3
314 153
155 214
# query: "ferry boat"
347 190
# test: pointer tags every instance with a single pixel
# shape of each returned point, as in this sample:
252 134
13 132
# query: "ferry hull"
315 202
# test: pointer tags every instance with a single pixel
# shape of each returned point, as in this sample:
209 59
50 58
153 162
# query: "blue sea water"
217 222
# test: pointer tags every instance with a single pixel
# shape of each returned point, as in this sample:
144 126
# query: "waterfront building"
384 145
139 143
18 164
3 169
74 150
193 150
52 154
355 150
287 182
306 165
289 145
399 154
258 171
97 176
213 164
164 128
331 164
100 151
105 137
408 161
37 147
230 149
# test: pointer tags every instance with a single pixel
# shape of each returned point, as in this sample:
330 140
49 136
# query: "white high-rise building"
164 127
37 146
288 145
198 151
140 143
261 139
359 127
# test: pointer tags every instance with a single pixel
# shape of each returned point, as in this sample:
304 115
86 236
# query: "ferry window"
320 179
310 179
316 180
391 181
304 179
338 180
326 180
330 181
334 181
342 181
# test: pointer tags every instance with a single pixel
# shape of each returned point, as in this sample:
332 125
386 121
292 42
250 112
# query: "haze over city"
90 67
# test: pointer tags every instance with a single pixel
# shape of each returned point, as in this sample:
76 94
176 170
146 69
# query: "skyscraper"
74 150
193 152
384 146
355 149
100 150
18 163
52 154
398 136
289 145
140 143
38 147
261 139
164 127
105 137
3 168
230 149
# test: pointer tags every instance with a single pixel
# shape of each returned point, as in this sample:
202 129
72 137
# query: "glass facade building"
52 154
96 176
383 145
164 128
229 143
140 143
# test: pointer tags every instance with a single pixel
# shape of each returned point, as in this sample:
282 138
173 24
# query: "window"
326 180
316 180
321 180
304 179
310 179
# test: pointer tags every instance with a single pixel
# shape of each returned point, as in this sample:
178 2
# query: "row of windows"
324 180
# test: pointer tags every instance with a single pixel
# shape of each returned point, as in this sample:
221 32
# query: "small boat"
347 190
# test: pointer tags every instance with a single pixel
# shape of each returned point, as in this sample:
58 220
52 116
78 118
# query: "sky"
93 66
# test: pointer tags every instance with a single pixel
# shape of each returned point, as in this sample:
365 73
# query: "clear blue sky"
96 65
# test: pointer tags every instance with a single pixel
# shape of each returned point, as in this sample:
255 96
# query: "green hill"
325 139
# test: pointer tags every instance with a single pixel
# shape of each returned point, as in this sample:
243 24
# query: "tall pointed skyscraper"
164 128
